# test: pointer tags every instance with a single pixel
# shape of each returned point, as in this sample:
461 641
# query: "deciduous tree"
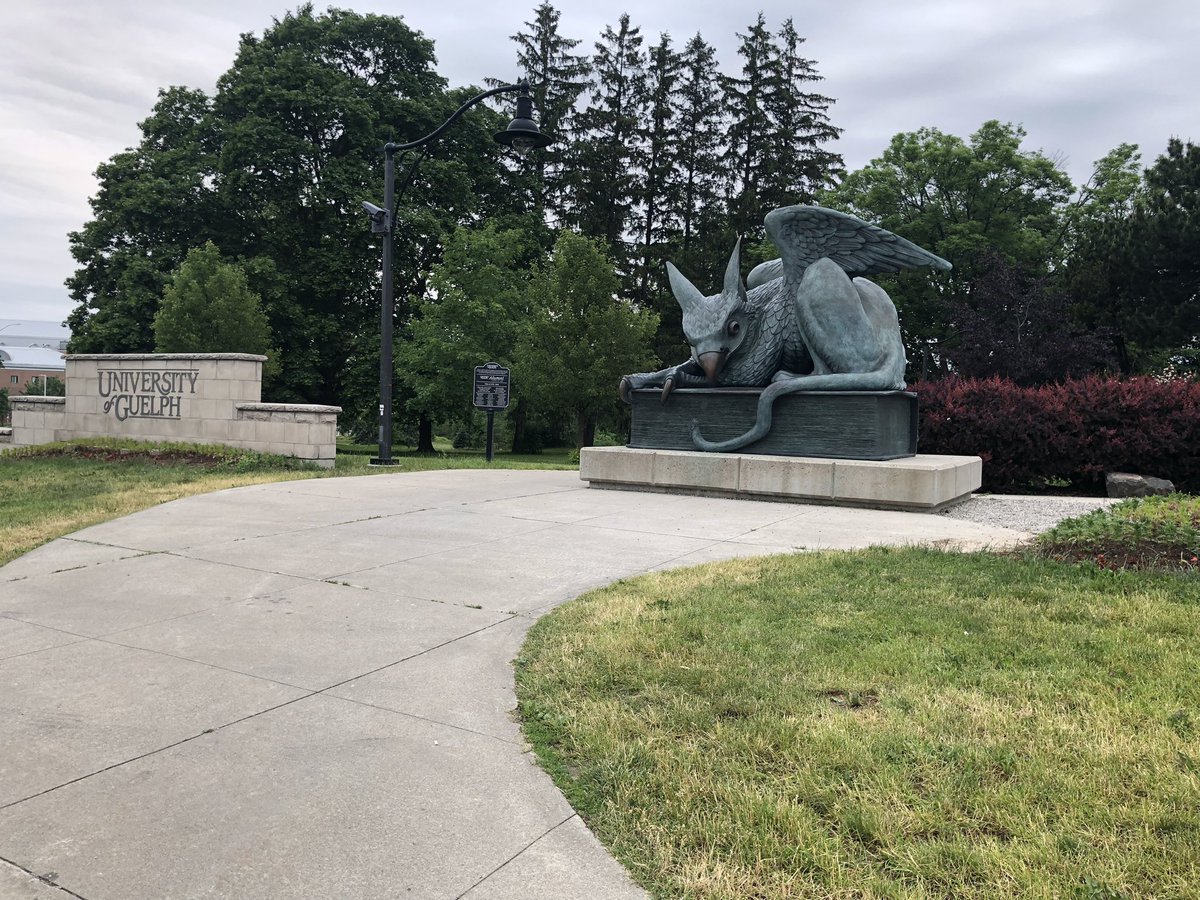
583 337
961 200
208 307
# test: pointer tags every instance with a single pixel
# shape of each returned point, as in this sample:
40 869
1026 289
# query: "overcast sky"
1082 76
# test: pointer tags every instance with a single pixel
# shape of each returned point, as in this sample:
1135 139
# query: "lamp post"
522 135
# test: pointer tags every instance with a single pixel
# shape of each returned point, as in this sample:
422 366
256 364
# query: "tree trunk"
425 435
517 418
585 429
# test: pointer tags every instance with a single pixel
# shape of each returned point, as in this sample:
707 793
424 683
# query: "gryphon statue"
804 325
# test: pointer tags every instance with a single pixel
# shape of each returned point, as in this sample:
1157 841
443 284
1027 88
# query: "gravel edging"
1020 512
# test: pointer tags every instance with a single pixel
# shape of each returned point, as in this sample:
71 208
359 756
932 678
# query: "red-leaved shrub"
1074 431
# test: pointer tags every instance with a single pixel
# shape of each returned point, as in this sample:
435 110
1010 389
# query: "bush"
1033 437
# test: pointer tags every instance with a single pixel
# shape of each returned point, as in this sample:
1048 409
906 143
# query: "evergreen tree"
660 138
559 76
750 131
702 175
607 154
779 130
799 164
692 202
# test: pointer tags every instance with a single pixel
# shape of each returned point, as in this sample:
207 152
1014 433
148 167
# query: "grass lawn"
886 723
49 491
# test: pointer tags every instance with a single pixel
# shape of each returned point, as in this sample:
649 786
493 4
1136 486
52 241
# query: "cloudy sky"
76 76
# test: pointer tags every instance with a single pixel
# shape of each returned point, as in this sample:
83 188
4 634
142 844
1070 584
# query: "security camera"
379 218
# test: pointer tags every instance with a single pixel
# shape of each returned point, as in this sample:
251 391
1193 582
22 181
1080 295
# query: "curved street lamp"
522 135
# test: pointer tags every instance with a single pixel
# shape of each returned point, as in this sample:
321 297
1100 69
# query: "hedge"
1032 438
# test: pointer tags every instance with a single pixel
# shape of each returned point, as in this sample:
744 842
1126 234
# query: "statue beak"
712 363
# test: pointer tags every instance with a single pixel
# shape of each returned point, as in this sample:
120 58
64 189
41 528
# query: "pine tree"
660 138
779 130
559 77
750 132
607 155
693 199
799 166
703 176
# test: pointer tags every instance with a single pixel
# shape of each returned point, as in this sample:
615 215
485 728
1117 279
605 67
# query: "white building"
33 333
22 364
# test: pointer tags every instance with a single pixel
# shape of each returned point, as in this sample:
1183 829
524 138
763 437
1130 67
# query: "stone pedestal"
836 424
923 483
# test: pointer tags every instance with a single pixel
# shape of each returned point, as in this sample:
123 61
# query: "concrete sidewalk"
304 689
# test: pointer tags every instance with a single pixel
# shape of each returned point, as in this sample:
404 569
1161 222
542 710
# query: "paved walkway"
304 689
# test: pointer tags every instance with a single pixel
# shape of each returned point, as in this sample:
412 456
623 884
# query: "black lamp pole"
522 135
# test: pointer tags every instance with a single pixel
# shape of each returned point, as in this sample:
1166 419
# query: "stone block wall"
37 420
207 398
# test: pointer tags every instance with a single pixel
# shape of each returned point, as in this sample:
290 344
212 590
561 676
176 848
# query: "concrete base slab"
923 483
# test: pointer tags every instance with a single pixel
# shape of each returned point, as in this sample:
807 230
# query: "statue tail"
846 381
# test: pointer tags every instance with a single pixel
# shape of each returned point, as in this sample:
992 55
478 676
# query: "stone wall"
204 398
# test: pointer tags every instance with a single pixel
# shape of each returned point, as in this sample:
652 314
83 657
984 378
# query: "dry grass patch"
46 492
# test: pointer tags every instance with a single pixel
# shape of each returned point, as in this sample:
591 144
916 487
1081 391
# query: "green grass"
1155 532
54 489
887 723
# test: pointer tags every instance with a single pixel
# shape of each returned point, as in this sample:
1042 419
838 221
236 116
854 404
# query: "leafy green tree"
44 387
208 307
154 202
273 169
476 311
5 407
582 337
961 200
1137 270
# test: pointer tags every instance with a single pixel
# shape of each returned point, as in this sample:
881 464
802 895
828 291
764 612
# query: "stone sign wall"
206 398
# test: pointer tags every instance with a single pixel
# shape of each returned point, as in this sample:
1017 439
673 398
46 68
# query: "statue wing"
805 234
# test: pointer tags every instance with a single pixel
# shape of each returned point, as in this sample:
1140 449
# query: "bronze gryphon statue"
804 324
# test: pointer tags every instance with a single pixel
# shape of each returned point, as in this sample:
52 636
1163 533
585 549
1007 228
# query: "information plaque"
491 387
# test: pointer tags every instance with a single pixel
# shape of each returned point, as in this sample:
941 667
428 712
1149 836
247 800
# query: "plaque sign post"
490 394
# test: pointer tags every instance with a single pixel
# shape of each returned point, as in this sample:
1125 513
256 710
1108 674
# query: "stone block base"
923 482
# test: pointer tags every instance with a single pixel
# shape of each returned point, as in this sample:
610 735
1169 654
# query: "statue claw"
624 389
668 386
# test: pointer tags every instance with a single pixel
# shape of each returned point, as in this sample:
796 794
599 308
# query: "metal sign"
491 387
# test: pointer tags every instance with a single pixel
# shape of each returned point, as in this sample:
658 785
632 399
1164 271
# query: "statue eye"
733 328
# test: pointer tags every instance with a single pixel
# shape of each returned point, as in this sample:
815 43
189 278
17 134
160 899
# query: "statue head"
714 326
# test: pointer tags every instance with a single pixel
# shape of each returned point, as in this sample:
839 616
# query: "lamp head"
522 133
